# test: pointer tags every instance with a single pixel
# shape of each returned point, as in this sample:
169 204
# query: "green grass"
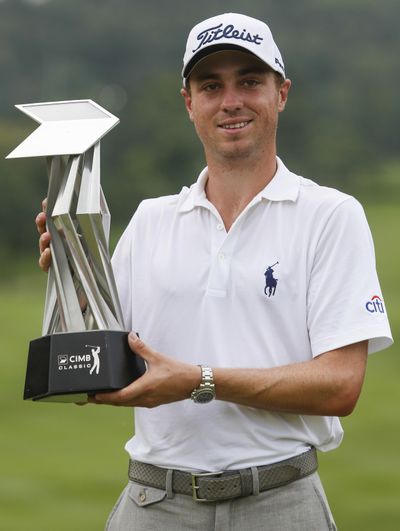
362 477
63 466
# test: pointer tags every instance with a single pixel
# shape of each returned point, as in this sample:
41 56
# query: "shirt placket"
221 259
222 245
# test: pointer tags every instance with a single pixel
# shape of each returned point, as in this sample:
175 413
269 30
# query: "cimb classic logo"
76 362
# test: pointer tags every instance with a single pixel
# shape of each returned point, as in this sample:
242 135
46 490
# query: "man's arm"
329 384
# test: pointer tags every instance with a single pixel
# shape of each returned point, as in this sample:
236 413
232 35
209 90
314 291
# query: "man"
242 383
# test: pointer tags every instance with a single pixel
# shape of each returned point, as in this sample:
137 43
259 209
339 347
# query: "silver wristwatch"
206 390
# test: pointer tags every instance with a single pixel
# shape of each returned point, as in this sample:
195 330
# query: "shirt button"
220 226
221 256
142 496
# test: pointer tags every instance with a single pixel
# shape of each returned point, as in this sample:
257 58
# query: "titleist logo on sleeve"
229 32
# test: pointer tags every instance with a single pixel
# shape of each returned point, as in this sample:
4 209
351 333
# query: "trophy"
83 349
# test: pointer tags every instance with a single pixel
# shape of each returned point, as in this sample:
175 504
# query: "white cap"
231 31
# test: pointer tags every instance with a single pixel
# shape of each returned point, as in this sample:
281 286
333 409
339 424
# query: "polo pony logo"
229 32
270 281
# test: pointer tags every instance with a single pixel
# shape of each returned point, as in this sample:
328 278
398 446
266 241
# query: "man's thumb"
138 346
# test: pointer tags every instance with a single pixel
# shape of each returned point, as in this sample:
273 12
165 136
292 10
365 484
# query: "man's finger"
92 400
140 348
40 221
44 241
121 397
45 260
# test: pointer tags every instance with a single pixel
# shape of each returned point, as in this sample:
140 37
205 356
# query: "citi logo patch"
76 362
375 305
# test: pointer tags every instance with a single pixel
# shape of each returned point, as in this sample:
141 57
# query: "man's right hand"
44 240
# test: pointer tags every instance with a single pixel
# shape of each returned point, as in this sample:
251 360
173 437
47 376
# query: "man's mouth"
238 125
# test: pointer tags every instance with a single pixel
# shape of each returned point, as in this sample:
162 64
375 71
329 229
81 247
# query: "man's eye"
211 87
250 82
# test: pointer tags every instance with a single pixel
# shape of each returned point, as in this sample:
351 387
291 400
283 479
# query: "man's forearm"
327 385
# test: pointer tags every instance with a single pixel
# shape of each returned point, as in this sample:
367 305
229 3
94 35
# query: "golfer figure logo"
270 281
96 360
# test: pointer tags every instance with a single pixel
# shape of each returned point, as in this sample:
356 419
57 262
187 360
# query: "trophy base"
67 367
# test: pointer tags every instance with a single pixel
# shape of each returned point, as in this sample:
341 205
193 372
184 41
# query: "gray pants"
299 506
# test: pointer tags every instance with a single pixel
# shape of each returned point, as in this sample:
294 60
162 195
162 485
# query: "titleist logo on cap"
228 32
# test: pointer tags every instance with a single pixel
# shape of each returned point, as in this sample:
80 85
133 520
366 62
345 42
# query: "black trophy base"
68 367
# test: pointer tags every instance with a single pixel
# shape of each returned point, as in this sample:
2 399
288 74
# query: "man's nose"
232 100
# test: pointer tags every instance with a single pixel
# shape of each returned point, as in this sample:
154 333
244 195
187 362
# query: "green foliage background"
63 466
340 127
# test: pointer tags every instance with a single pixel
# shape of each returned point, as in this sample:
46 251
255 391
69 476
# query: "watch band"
207 376
206 390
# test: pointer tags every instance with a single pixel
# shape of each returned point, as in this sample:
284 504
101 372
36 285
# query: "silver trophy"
83 348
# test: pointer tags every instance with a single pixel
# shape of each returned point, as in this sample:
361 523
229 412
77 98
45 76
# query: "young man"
251 291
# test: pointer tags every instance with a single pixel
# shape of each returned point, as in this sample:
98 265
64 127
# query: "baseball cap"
231 31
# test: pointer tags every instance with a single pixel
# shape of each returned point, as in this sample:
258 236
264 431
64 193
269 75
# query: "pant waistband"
218 486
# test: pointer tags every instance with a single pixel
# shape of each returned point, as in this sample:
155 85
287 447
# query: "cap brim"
208 51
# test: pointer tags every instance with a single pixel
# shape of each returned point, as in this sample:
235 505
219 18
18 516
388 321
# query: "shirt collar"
284 186
195 195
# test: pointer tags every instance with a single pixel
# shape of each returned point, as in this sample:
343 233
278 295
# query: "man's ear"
188 101
283 94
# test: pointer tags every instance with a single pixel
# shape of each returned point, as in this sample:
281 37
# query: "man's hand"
44 240
166 380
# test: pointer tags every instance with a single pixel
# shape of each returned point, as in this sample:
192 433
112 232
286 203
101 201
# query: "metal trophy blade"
83 348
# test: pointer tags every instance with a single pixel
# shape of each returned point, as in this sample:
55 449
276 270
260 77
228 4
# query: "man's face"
234 100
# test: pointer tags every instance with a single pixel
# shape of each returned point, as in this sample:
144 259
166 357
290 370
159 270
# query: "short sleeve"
345 304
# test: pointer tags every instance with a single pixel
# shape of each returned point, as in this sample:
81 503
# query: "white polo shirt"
205 296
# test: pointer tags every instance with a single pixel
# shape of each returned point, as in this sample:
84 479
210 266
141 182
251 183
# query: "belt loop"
256 481
246 480
168 484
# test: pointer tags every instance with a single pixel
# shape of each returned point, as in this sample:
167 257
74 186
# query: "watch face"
203 396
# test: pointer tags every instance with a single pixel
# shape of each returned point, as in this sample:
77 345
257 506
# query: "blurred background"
62 466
